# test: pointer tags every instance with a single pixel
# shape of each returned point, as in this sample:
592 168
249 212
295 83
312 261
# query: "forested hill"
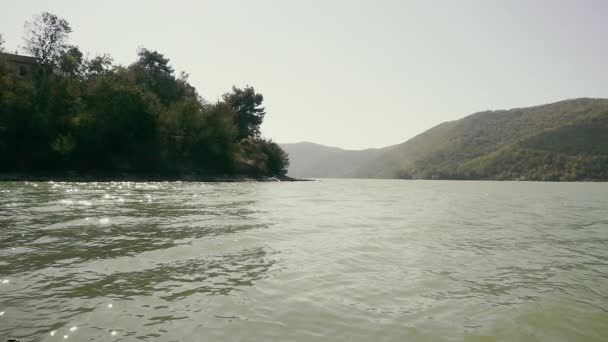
566 140
64 113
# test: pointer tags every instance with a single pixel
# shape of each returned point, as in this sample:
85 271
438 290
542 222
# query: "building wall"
21 65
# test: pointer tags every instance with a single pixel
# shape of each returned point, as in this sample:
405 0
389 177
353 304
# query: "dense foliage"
70 113
567 140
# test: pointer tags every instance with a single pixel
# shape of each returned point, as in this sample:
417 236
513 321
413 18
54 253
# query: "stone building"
21 65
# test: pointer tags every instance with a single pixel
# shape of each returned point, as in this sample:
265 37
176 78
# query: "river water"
340 260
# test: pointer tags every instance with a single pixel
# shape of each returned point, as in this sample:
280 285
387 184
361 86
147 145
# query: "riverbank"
128 177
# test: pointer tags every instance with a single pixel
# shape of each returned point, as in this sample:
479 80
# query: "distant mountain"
309 160
567 140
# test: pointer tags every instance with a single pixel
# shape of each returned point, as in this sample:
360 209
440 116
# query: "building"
21 65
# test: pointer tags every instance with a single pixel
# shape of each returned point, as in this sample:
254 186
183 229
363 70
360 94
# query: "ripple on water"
351 260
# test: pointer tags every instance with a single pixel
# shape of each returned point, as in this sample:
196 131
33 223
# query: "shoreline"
127 177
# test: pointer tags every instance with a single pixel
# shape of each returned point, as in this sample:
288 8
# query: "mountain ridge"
565 140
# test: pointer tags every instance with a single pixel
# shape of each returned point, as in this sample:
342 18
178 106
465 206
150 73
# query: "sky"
354 74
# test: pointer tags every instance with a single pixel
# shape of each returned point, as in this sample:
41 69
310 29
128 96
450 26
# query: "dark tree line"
72 113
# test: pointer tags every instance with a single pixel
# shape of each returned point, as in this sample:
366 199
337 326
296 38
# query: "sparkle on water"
350 260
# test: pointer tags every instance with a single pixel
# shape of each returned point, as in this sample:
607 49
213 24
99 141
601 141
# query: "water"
348 260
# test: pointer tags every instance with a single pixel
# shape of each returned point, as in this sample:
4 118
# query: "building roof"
18 58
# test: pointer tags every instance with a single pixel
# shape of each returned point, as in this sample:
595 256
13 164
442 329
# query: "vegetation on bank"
91 116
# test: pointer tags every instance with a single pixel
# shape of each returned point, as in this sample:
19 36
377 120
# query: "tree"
122 134
98 66
154 62
277 160
214 144
153 71
249 115
1 43
46 37
70 62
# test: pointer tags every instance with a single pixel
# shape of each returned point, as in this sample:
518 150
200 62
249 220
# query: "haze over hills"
566 140
310 160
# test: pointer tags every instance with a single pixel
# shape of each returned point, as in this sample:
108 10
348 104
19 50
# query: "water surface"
351 260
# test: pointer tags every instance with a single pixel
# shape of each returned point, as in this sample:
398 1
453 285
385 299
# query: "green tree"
70 61
153 62
46 37
152 70
120 131
213 145
1 43
249 114
97 66
17 116
277 160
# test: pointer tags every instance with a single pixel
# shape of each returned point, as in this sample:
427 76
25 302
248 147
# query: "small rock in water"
110 305
73 329
1 313
65 337
5 281
52 333
114 333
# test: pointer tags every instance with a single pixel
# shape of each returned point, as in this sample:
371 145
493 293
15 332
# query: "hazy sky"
354 74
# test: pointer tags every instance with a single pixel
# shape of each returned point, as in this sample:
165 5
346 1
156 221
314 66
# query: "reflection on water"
337 260
72 248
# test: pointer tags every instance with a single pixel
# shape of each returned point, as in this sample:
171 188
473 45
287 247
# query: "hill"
309 160
567 140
